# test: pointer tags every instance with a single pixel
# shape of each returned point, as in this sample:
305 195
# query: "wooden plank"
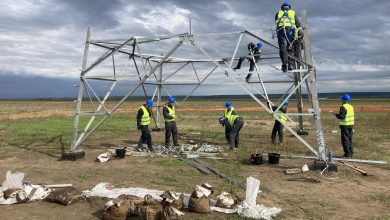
293 171
58 185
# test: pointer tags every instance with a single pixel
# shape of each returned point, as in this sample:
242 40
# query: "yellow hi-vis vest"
228 112
350 117
231 119
171 112
282 117
145 120
286 19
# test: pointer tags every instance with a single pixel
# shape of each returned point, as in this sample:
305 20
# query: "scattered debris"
226 200
194 133
305 168
13 180
191 150
58 185
293 171
199 200
15 190
172 199
104 157
364 173
64 196
249 209
334 131
171 213
305 179
150 209
116 210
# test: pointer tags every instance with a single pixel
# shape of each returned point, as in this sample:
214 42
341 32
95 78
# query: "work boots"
140 148
150 148
248 77
284 68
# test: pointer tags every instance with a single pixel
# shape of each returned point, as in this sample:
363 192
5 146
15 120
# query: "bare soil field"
34 133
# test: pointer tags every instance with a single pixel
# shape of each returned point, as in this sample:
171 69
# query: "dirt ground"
345 194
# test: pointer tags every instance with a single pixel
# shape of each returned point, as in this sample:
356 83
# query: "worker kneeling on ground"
287 24
278 126
346 118
170 123
234 124
143 121
254 57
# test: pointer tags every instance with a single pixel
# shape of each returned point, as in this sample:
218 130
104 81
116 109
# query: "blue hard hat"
286 103
345 97
259 45
228 104
171 100
286 4
149 103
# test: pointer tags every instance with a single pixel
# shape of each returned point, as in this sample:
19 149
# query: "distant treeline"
354 95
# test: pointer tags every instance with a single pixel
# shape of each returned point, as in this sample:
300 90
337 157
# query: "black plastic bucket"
273 158
256 159
120 153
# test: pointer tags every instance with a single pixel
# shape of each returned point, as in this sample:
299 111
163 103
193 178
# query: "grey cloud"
50 40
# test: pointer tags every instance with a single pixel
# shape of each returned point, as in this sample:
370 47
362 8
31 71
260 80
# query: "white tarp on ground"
248 208
13 180
24 192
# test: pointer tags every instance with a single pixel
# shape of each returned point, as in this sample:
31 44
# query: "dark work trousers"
278 128
235 132
251 65
346 140
145 136
284 40
170 128
227 134
298 47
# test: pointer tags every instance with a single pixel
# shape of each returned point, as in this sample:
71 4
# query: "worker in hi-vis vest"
234 124
346 118
143 121
229 110
169 114
278 125
287 25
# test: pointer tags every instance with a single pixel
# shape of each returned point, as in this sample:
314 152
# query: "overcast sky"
42 41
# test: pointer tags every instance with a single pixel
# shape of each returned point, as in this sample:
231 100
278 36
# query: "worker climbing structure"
164 64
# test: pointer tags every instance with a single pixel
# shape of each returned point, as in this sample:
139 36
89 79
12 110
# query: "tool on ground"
364 173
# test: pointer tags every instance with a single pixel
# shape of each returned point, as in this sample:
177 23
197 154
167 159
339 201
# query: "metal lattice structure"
149 69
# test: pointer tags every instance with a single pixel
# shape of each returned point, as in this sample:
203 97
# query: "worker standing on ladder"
254 57
346 118
278 126
143 121
287 24
170 123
